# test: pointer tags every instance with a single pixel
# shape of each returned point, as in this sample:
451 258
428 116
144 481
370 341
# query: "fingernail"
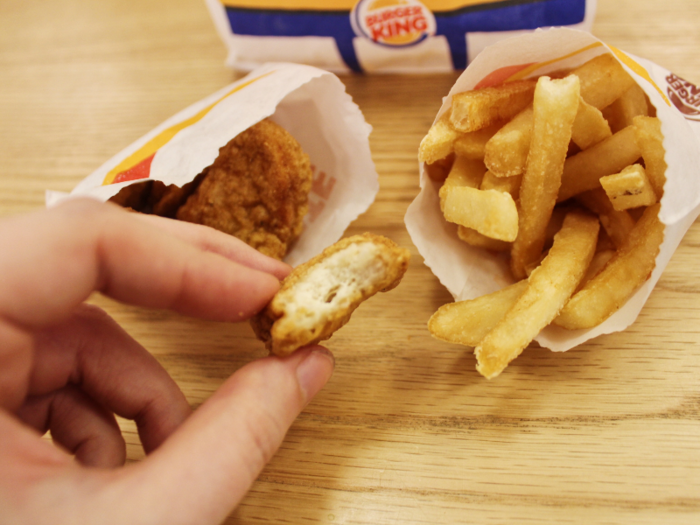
315 371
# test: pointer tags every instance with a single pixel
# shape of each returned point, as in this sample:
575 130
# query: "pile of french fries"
563 174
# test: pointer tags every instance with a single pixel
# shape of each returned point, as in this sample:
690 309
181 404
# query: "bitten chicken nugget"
319 296
257 190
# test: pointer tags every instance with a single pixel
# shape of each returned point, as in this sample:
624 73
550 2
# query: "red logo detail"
142 170
322 186
499 76
685 96
393 22
315 209
396 22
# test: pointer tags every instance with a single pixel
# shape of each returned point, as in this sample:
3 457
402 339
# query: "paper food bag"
309 103
469 272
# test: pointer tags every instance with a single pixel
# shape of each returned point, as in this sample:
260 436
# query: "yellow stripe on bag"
345 5
524 73
160 140
634 66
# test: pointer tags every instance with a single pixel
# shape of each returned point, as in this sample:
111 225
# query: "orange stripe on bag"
639 70
138 165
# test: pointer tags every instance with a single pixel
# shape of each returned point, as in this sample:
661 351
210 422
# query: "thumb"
206 467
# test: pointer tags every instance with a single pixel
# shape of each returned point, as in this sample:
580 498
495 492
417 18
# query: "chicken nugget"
166 200
257 190
319 296
134 197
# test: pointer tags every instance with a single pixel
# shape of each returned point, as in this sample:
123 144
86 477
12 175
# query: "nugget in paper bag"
282 121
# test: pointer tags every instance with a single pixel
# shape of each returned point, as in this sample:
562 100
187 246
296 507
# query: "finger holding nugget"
69 368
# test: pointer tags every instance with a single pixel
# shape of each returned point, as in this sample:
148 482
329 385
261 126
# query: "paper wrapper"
469 272
308 102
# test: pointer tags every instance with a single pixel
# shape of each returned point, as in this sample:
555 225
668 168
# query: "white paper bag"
308 102
469 272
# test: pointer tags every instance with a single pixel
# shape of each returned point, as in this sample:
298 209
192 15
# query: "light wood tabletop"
406 431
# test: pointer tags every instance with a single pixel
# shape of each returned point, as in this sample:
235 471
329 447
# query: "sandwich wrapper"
469 272
309 103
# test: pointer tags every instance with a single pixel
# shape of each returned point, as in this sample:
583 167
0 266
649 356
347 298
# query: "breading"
319 296
166 200
257 190
134 196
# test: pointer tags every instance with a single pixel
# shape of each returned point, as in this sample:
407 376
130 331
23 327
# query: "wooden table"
406 431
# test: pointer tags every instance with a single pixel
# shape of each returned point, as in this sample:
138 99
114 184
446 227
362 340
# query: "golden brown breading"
153 197
256 189
166 200
319 296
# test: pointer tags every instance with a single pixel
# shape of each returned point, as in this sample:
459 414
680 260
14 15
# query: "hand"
67 367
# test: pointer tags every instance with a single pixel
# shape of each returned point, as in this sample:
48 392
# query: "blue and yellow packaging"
382 36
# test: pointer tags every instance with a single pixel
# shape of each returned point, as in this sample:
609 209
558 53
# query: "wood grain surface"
406 432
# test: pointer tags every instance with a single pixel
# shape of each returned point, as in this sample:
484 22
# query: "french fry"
604 240
438 143
650 141
603 295
491 213
617 224
464 172
508 184
603 80
472 237
472 145
480 108
583 171
554 108
439 169
632 103
505 154
629 189
468 322
554 225
590 127
549 287
476 239
598 262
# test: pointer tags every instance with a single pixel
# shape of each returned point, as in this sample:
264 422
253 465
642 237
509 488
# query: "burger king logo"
685 96
393 23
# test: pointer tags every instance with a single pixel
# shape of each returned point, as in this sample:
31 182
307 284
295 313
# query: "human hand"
67 367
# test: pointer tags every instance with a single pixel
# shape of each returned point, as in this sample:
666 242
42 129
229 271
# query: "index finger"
212 240
60 256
